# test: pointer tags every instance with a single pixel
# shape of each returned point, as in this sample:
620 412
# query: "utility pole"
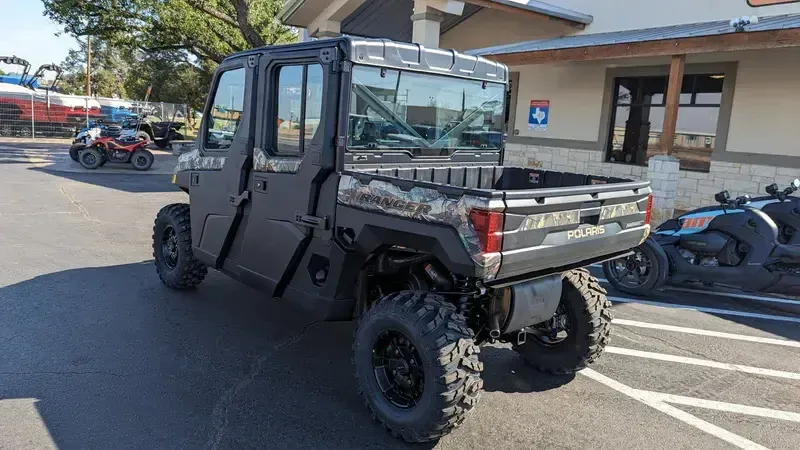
88 66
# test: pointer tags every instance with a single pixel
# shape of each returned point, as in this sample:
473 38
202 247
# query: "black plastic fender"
662 259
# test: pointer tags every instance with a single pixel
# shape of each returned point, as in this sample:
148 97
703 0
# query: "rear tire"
142 159
622 277
90 158
438 340
588 311
172 249
75 150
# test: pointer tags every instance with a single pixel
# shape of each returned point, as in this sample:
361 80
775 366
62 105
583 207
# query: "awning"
769 32
387 13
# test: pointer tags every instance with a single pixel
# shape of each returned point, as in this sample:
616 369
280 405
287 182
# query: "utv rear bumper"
557 250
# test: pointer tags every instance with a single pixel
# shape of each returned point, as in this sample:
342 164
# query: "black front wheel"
90 158
416 365
172 248
142 159
640 273
576 334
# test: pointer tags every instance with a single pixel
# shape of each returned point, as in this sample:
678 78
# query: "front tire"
436 379
583 322
90 158
172 249
142 159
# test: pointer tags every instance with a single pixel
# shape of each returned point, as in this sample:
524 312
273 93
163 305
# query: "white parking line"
654 402
759 298
703 363
727 407
721 312
700 332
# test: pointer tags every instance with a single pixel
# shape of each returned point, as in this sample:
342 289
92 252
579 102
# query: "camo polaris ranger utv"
362 179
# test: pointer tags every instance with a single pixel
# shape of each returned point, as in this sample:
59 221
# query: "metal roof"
768 23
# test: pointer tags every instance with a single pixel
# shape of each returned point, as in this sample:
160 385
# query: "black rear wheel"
578 331
638 274
172 248
416 365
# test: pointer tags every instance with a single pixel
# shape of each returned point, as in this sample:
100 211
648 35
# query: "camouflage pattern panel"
262 162
424 204
194 160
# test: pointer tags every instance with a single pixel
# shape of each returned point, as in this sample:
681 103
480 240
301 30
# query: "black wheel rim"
141 161
633 271
398 369
89 159
169 247
554 331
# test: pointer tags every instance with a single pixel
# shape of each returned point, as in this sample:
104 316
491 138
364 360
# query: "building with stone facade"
674 92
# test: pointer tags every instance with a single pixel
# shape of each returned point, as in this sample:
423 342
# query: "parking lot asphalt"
95 353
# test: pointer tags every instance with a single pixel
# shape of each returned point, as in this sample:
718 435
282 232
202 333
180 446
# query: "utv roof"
400 55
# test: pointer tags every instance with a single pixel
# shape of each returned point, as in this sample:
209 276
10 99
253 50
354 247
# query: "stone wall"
695 189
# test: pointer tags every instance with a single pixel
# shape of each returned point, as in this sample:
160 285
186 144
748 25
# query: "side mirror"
722 197
772 189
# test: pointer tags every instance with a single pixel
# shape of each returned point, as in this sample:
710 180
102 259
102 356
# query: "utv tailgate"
548 228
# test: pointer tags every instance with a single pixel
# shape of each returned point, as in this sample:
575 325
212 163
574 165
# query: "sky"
26 33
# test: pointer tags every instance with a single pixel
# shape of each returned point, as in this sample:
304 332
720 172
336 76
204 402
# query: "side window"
290 99
226 111
313 101
299 107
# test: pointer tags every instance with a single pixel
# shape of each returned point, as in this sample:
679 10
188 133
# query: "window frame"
221 71
728 71
273 129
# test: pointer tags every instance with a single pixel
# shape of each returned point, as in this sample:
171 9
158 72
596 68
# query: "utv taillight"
649 212
489 226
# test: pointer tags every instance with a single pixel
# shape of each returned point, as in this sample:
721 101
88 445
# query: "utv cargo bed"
534 222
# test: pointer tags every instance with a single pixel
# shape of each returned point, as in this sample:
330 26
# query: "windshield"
428 115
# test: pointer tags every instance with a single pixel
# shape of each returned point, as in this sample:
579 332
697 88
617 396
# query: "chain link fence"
42 114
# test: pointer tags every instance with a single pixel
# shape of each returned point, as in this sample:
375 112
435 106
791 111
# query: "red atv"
108 149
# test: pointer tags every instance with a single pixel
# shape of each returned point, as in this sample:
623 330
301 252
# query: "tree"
110 69
206 29
1 72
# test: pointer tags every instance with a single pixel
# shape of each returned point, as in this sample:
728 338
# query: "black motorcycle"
784 209
734 244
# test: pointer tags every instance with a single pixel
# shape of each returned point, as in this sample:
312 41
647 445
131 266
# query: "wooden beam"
673 99
488 4
759 40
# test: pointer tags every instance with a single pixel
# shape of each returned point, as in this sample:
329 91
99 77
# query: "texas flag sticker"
539 114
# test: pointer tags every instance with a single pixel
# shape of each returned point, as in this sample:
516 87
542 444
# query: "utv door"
296 123
218 185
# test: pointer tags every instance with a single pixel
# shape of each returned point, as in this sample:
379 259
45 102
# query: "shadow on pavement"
115 360
136 183
505 371
785 329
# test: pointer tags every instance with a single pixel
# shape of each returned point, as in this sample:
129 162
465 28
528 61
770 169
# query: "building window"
638 114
